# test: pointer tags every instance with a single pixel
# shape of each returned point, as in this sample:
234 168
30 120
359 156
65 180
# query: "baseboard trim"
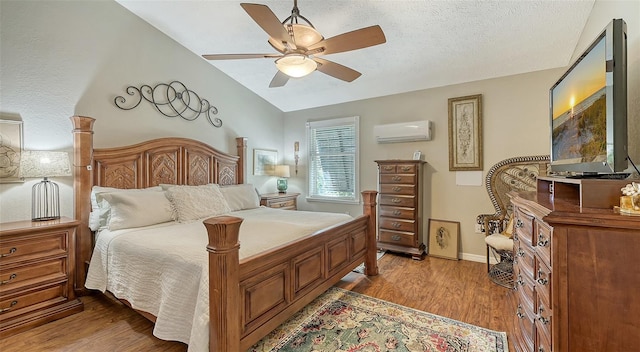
475 258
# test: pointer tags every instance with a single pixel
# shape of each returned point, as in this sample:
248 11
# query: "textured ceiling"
429 43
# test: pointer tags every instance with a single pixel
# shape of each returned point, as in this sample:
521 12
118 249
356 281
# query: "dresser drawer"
397 212
393 178
543 280
397 224
408 190
398 168
543 317
525 291
526 323
543 342
526 260
400 201
32 247
543 241
14 305
15 278
394 237
524 226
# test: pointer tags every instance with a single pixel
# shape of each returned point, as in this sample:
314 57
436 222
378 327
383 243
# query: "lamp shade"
44 164
296 65
283 171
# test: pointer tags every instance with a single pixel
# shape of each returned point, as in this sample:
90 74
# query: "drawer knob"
396 189
540 349
397 212
521 253
541 280
11 251
396 200
520 281
519 223
542 240
519 313
13 276
395 237
13 303
542 319
396 225
396 178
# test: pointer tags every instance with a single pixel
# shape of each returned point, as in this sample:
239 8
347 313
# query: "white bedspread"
163 269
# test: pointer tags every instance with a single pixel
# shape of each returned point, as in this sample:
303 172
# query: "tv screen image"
580 115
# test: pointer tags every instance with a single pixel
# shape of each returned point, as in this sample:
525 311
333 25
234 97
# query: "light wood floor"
455 289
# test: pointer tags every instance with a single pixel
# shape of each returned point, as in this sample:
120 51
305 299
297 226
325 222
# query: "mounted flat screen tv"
588 109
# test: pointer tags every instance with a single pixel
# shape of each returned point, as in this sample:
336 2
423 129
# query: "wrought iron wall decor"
171 100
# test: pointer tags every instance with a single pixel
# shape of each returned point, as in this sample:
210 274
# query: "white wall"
515 123
64 58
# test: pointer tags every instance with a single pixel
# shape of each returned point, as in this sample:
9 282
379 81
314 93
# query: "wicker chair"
517 174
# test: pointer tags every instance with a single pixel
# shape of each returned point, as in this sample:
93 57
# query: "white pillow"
241 197
197 202
100 209
136 209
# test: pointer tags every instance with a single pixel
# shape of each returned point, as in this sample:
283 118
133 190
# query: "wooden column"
241 145
82 176
371 260
225 327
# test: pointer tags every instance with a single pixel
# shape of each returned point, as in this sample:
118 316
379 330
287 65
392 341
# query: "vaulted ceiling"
429 43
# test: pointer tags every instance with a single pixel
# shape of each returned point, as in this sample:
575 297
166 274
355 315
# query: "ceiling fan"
299 45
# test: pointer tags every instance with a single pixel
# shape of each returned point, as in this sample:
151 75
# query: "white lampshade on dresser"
45 195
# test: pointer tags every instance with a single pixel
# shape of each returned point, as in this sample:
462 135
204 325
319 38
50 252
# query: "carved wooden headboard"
171 160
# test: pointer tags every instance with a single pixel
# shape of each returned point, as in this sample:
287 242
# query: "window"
333 160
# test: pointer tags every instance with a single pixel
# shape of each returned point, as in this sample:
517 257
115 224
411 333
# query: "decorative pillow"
241 197
136 209
197 202
100 209
509 230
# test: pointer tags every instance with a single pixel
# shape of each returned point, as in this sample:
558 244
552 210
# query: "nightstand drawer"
32 247
18 277
13 305
282 204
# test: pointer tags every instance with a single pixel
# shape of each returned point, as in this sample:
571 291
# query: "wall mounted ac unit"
403 132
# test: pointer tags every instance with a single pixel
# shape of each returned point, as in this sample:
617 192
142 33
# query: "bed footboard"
250 299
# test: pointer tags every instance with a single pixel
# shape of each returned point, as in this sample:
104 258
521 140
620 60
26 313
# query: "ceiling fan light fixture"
296 65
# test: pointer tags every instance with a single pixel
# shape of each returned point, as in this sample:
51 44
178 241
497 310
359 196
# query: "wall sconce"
296 152
282 171
45 195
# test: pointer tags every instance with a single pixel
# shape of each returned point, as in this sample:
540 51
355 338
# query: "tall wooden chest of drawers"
400 206
36 273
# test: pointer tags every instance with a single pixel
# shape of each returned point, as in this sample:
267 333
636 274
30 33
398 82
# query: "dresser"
36 273
576 285
400 206
287 201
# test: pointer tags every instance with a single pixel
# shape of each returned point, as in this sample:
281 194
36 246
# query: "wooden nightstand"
37 264
287 201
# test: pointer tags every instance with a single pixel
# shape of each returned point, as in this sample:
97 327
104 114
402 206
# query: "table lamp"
283 172
45 195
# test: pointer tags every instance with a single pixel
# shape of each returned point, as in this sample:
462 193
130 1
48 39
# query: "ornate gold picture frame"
444 238
465 133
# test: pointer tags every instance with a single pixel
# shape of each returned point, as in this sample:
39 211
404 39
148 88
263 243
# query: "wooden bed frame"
249 297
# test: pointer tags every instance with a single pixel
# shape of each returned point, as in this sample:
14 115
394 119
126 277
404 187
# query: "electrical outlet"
479 228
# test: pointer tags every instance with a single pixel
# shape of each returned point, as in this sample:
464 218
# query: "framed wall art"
264 161
465 133
444 238
10 150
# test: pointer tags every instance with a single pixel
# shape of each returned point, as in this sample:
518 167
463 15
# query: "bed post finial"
82 176
224 283
371 259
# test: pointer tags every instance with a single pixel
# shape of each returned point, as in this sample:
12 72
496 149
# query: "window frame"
337 122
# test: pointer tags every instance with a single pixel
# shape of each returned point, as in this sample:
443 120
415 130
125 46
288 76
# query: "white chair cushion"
499 242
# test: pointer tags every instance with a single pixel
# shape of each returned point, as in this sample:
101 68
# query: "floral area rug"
345 321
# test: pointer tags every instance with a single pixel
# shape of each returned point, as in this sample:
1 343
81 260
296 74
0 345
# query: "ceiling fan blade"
358 39
239 56
279 80
336 70
268 21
